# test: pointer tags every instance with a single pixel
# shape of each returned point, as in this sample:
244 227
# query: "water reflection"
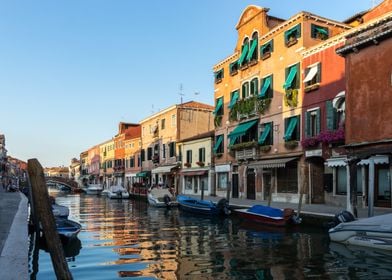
127 238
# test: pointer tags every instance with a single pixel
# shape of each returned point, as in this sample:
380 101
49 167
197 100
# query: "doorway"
234 180
251 184
267 181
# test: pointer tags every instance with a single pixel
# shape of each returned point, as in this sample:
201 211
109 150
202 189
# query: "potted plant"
200 163
292 144
265 148
187 164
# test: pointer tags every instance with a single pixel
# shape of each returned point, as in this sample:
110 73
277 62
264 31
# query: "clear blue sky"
71 70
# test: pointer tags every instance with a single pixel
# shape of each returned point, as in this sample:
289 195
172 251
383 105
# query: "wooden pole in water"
45 216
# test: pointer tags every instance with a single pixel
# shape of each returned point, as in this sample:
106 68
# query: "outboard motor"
223 206
166 199
342 217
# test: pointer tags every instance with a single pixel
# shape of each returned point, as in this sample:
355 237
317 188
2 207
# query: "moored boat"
68 228
267 215
374 232
59 211
94 189
117 192
161 198
203 206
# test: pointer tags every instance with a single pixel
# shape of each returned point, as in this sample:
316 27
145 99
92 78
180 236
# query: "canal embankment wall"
14 242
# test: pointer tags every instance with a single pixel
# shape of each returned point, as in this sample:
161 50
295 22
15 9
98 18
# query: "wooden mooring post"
45 216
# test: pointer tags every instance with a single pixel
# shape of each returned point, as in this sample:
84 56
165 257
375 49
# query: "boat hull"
116 195
261 219
198 206
161 198
374 232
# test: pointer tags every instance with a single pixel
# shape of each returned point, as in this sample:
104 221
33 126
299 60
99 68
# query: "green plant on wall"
245 145
249 106
218 121
291 97
263 105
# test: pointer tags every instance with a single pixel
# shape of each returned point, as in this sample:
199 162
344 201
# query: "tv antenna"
181 94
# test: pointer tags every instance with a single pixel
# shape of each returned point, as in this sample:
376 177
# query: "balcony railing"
246 154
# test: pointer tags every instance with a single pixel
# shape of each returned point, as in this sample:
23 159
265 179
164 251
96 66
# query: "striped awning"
336 162
272 163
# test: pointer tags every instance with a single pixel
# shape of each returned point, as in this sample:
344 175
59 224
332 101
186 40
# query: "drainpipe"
371 188
348 192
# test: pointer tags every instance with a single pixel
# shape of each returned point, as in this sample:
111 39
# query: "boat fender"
166 199
223 206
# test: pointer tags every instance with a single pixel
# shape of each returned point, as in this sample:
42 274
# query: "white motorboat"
59 211
95 189
161 198
118 192
374 232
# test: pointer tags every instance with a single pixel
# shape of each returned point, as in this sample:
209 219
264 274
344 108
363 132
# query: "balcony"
244 154
248 108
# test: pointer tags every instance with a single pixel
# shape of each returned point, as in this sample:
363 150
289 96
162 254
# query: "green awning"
252 49
218 142
142 174
290 77
290 128
219 105
266 85
241 130
322 30
264 135
243 55
234 99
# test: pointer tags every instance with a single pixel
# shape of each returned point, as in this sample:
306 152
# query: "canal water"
130 239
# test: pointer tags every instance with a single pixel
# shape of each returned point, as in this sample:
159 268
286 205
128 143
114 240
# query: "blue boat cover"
266 210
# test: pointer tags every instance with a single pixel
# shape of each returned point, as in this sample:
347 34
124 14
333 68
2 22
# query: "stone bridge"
73 185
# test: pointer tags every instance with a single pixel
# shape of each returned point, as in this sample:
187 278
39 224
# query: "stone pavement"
13 235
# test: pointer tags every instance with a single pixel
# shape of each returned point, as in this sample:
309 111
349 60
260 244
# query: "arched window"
253 47
244 53
245 90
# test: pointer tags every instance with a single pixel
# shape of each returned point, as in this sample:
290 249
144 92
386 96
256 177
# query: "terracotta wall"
369 98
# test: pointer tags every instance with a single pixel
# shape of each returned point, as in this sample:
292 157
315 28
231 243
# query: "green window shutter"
290 129
265 134
318 117
234 99
233 66
252 49
298 29
297 76
218 143
219 104
290 77
307 124
243 54
331 115
266 86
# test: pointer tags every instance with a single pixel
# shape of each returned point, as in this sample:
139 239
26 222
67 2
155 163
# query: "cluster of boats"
374 232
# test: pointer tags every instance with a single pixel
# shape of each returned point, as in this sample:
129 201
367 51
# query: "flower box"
265 148
200 163
291 144
187 164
